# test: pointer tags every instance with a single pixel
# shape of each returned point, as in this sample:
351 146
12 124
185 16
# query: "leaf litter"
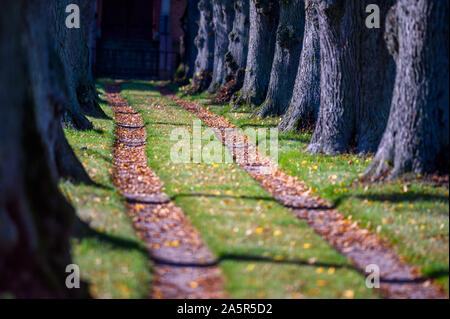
184 267
362 248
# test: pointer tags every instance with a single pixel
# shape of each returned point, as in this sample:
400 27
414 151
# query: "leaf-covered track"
184 267
397 279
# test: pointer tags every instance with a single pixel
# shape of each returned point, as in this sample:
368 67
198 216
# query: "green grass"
111 258
265 251
411 215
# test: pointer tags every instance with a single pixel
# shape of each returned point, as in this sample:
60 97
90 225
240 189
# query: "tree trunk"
236 57
338 22
356 79
72 46
287 57
416 138
62 156
35 219
223 16
305 102
188 50
377 83
204 42
193 16
264 15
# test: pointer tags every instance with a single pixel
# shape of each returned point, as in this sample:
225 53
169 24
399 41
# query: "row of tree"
45 83
331 66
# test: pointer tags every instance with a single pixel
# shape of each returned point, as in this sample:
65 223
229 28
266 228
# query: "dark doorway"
128 19
126 47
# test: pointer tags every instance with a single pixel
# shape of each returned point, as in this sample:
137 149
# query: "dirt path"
184 268
397 279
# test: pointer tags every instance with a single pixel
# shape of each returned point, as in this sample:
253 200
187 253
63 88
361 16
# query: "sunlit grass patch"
264 251
412 215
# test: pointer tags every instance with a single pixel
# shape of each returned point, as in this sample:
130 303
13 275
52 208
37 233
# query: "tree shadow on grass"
294 138
395 197
82 230
256 198
251 258
98 131
91 183
99 116
97 154
138 86
297 262
166 123
241 111
437 273
102 100
245 125
101 186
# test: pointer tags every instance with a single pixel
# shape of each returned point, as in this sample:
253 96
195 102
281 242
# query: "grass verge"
410 214
111 258
264 251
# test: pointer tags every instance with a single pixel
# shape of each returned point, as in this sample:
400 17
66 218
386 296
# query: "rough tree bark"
35 219
188 49
286 59
72 46
305 102
416 138
193 15
236 57
62 156
338 21
223 16
356 79
204 41
264 15
377 82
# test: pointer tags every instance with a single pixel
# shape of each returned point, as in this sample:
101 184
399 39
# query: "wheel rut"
362 248
184 267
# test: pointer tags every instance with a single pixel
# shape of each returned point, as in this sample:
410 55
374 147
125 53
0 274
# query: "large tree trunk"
264 15
305 102
72 46
204 42
223 16
416 138
338 21
377 83
236 57
35 219
354 60
62 155
192 18
287 57
188 50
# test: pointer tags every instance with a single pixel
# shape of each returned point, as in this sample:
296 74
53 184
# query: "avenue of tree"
364 76
315 63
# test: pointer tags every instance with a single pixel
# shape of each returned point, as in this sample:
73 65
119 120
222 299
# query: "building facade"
137 38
